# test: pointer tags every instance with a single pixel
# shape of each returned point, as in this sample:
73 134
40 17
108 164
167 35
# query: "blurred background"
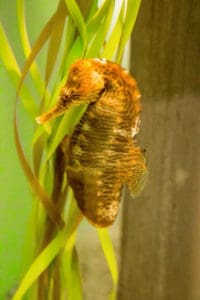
161 231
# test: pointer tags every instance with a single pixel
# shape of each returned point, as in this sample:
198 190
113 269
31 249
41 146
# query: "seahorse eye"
108 84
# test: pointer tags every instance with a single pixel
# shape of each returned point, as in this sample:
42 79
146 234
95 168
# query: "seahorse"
102 151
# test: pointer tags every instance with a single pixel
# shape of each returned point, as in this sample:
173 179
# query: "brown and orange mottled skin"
102 152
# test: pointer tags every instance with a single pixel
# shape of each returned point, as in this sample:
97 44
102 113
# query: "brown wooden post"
161 229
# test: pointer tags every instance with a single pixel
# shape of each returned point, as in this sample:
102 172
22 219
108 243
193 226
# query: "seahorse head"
84 85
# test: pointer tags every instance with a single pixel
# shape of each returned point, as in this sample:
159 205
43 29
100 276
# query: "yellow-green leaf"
43 260
69 120
78 19
54 45
10 62
100 35
39 82
113 41
109 253
42 39
132 9
33 181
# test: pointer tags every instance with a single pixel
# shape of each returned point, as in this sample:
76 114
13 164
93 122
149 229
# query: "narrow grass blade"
69 40
100 35
71 271
42 39
39 265
93 9
54 46
130 18
78 19
10 62
76 277
37 150
75 53
39 82
94 22
49 253
56 288
109 253
7 55
113 41
69 120
29 241
33 181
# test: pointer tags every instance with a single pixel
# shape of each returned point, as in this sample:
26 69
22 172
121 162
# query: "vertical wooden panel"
161 229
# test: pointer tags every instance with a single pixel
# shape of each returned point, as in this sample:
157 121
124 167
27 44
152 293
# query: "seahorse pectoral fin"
138 171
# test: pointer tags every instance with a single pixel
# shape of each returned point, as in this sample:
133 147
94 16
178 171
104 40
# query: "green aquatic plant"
50 267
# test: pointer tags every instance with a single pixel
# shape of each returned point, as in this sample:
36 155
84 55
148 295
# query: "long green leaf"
78 19
69 40
72 53
109 253
100 35
40 264
76 277
75 53
30 240
113 41
42 39
95 20
54 45
49 253
69 120
39 82
33 181
130 18
7 55
37 150
93 9
71 271
10 62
